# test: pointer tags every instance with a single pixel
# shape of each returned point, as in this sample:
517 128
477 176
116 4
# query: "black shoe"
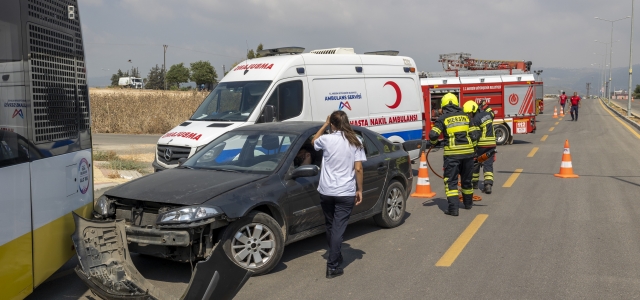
475 185
468 206
487 188
451 213
331 273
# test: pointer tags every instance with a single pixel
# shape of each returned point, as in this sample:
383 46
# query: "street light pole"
611 52
604 66
164 66
629 93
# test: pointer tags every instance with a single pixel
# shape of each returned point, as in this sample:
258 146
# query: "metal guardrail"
631 122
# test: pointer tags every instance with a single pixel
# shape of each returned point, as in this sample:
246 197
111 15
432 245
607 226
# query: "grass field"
141 111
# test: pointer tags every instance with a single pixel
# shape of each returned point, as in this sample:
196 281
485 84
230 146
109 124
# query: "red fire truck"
513 98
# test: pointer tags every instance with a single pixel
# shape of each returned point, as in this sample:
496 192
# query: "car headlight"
104 206
188 214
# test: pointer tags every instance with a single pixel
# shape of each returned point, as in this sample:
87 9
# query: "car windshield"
243 151
231 101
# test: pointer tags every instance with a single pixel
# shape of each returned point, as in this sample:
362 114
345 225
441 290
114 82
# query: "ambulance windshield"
231 101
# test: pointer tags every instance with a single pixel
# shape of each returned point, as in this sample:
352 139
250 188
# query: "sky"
550 33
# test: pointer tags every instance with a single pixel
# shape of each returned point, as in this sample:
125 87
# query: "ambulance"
379 90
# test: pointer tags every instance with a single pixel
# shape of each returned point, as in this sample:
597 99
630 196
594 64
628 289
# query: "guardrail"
631 122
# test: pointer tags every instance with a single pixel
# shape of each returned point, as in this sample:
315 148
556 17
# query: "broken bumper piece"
106 267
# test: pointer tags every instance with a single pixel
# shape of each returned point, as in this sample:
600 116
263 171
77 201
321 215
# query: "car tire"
501 133
394 206
259 254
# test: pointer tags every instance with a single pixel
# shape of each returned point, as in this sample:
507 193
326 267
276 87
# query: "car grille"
176 153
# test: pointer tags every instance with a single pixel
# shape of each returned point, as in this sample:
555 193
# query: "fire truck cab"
511 97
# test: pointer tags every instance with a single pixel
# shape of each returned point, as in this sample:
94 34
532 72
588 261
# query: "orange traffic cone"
555 112
423 187
566 169
562 112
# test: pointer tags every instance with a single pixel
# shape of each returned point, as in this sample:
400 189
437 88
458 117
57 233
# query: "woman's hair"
340 121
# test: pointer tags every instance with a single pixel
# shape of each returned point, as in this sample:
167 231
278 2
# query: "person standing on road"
460 139
340 181
483 118
575 104
562 101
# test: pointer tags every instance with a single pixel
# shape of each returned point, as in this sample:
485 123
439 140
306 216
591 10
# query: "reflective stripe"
566 151
423 181
566 164
452 193
423 165
467 192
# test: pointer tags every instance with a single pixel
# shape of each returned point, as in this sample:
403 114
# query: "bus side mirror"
268 114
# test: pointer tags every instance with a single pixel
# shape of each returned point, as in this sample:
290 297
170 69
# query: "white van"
378 90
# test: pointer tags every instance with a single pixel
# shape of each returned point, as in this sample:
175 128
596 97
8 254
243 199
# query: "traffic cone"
423 187
562 112
555 112
566 169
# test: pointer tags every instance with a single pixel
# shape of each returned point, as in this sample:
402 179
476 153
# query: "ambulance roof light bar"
334 51
280 51
384 52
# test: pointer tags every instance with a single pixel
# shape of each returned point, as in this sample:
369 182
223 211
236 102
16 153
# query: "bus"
45 140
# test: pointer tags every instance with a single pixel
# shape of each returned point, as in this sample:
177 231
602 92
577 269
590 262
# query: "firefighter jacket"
484 121
460 134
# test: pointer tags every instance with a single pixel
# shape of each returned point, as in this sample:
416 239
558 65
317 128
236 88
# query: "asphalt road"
543 238
635 105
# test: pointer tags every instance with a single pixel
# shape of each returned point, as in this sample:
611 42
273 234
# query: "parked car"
244 193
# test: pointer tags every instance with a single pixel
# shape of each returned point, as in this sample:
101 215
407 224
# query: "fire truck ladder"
455 62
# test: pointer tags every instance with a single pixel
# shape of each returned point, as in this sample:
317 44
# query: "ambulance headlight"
104 207
188 214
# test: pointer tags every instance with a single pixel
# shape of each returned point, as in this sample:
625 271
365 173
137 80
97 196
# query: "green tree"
636 91
116 77
202 72
178 74
155 79
258 49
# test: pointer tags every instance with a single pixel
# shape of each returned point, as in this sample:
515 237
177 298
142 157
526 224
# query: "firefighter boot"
487 188
452 210
467 199
475 185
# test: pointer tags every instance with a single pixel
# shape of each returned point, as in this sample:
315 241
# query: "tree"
251 54
178 74
260 48
116 77
155 79
135 72
636 92
202 72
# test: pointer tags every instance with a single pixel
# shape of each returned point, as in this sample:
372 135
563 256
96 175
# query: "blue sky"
550 33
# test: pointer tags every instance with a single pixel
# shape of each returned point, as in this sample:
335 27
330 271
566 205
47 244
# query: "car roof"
299 127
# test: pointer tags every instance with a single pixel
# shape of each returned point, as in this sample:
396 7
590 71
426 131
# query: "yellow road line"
551 129
544 138
557 123
456 248
533 152
621 122
512 178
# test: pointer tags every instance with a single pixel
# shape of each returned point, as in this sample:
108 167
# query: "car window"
387 145
287 100
242 151
370 148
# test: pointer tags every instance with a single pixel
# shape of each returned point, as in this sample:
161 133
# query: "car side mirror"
268 114
412 145
181 160
305 171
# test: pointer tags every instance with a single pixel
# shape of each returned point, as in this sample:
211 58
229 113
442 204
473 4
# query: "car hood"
182 186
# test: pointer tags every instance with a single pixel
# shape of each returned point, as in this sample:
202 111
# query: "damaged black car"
248 193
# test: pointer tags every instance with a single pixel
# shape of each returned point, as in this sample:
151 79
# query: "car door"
375 173
303 200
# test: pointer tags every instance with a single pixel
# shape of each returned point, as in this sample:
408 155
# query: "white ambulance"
378 90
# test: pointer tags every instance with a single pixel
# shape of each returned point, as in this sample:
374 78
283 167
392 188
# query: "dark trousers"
574 108
337 211
562 106
452 168
487 167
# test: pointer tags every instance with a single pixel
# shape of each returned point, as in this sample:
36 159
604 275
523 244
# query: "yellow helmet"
470 107
449 98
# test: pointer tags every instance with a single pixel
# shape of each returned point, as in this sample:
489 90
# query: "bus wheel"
502 134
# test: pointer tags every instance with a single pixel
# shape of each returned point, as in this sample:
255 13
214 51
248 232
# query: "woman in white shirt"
340 181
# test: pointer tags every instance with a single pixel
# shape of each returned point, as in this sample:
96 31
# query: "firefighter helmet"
470 107
449 98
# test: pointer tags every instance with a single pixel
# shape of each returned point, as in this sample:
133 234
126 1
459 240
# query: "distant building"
620 95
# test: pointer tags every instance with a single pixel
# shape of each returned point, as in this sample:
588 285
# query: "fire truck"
515 98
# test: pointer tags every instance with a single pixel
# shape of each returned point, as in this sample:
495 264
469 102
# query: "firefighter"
459 150
483 119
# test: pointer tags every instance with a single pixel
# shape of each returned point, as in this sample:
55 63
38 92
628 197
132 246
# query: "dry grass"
623 111
141 111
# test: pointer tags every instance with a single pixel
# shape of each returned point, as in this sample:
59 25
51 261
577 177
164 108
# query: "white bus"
45 140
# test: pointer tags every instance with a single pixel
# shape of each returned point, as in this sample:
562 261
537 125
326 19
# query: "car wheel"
393 207
501 133
254 242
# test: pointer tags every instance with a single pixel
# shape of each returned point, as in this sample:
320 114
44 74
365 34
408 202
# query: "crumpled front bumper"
106 267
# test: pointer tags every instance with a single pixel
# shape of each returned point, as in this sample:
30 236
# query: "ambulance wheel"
393 207
502 134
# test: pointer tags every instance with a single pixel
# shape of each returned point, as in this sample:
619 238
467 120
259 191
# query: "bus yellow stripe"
16 280
57 236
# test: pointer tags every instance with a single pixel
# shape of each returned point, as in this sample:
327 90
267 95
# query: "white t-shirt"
338 175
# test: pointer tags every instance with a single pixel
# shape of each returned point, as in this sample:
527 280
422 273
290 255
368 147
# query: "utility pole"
588 89
630 93
164 67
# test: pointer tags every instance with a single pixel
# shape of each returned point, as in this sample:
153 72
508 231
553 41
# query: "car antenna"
246 63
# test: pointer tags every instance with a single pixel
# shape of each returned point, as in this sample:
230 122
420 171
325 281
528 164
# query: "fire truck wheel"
502 134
